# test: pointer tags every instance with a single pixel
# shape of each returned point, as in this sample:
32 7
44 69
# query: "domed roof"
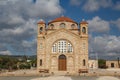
83 22
41 21
62 18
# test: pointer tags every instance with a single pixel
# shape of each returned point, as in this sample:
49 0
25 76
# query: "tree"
8 63
33 62
102 63
24 66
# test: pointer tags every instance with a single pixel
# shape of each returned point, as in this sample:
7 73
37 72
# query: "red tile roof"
83 22
41 22
62 19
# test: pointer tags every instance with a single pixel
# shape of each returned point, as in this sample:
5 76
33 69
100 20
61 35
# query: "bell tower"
84 28
84 43
41 44
41 27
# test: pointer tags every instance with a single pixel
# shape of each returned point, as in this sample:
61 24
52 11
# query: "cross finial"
41 20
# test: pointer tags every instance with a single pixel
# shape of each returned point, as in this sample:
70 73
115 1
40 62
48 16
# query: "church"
62 46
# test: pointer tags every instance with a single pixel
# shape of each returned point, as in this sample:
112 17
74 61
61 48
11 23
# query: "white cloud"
5 52
15 19
108 45
113 44
91 5
45 8
26 43
116 22
94 5
18 23
21 10
20 29
98 25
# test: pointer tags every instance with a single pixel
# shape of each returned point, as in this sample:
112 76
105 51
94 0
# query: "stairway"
60 73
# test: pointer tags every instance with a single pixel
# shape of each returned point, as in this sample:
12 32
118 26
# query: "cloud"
105 46
113 44
26 9
13 38
44 8
26 43
15 19
116 23
98 25
91 5
18 23
94 5
5 52
117 6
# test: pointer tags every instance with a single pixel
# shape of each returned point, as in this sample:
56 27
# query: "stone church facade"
62 46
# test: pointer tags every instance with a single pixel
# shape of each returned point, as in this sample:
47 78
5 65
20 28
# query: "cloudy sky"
18 28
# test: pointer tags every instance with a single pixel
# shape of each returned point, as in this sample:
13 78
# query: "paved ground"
114 72
54 78
61 78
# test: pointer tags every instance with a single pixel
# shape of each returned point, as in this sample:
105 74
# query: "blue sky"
18 28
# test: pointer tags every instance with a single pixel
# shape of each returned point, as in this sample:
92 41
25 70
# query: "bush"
24 66
102 63
14 67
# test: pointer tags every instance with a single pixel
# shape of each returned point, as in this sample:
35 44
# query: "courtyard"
61 78
94 74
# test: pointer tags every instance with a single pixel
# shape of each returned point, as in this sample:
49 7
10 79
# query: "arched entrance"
62 63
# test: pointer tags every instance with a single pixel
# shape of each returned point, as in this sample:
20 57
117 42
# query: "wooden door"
62 63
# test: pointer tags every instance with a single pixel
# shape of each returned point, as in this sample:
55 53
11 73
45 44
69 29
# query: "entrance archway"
62 63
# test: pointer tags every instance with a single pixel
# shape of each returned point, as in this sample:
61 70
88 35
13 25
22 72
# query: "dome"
83 22
41 21
62 18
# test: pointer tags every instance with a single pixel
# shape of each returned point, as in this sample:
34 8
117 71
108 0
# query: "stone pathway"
107 78
61 78
69 78
54 78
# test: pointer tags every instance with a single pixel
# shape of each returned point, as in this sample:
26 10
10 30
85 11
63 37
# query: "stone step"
60 73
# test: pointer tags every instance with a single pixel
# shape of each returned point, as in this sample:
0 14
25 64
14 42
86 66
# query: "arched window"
51 26
84 62
40 62
84 30
62 25
62 46
69 48
41 29
73 26
54 48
